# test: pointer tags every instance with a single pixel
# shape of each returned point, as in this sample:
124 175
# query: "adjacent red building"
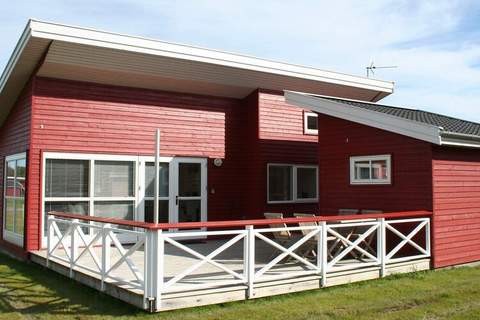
79 110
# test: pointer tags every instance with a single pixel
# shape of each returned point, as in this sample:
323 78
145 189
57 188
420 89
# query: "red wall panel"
411 186
72 116
82 117
275 136
15 138
456 204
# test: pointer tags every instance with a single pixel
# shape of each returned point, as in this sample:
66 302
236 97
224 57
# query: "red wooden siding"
411 186
456 204
275 136
81 117
15 138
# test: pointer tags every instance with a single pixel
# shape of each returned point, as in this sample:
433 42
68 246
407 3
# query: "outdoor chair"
347 233
282 237
311 244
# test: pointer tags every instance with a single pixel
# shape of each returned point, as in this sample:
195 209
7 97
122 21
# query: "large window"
90 185
292 183
370 169
14 198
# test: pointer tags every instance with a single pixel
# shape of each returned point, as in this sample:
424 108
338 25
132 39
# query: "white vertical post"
157 176
319 238
324 253
73 245
50 236
382 246
427 238
159 265
154 254
250 261
106 249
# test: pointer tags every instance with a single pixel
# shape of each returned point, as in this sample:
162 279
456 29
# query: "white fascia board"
370 118
110 40
17 51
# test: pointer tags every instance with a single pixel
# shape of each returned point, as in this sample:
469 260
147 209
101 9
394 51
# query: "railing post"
382 245
154 253
427 238
250 260
106 250
50 235
324 253
73 245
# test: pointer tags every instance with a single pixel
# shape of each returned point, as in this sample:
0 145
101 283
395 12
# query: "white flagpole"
157 176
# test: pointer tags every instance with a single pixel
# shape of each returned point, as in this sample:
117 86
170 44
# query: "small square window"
310 123
287 183
370 169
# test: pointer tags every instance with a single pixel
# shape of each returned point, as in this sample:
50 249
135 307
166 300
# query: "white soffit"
370 118
90 55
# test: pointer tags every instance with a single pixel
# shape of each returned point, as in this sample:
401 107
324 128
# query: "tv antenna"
372 68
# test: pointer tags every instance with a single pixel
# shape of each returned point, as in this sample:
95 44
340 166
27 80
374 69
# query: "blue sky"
435 44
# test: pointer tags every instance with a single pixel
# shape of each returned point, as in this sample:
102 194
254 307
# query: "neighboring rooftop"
75 53
449 124
428 126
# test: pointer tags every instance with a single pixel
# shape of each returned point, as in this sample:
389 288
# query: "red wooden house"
79 109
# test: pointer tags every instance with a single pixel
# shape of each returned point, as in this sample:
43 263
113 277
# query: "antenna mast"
372 67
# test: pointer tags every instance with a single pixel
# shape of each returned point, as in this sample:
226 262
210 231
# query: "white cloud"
341 36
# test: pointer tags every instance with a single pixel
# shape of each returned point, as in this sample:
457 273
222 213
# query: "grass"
28 291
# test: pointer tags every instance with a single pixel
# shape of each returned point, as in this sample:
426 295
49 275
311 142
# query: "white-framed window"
90 184
14 198
310 123
288 183
375 169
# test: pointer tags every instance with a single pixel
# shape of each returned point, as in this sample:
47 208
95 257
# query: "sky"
435 44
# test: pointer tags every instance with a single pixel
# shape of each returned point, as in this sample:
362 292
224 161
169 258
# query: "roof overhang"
409 128
74 53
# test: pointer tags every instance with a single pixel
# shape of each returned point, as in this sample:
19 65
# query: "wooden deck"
209 284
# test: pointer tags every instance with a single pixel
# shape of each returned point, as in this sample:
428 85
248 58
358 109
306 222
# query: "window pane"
312 123
11 168
10 188
114 209
66 178
162 211
150 177
280 183
362 170
189 179
379 169
21 168
306 183
9 214
19 216
189 210
114 179
66 207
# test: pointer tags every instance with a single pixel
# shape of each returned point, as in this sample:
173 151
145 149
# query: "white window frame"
306 130
294 197
10 236
91 197
386 157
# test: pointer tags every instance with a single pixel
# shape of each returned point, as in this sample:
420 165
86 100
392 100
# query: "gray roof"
449 124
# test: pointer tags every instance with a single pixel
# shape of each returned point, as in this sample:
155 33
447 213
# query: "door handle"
176 200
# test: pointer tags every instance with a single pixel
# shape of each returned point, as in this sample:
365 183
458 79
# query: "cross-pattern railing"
327 245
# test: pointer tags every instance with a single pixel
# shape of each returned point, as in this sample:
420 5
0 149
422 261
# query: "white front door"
182 189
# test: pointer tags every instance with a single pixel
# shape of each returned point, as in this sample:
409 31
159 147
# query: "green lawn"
29 291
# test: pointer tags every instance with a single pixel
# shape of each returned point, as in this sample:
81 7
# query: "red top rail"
241 223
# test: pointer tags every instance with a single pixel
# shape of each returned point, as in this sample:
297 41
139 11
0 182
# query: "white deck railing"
330 246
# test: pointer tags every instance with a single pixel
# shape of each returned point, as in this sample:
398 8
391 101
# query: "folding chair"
312 242
283 237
